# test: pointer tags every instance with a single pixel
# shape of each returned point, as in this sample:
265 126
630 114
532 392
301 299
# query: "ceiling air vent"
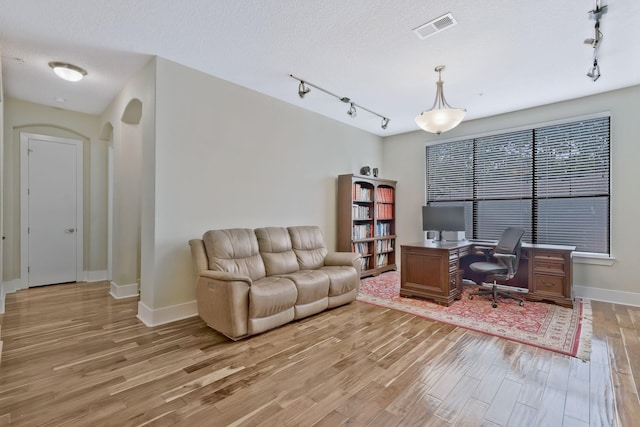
435 26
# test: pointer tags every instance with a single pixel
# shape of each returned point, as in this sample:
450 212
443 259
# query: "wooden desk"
434 270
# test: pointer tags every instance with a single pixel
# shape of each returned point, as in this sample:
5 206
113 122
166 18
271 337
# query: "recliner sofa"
250 281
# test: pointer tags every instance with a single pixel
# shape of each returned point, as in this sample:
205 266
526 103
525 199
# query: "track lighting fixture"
441 117
594 71
303 90
352 112
596 38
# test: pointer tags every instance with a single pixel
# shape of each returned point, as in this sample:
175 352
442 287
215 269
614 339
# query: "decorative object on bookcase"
366 220
375 172
365 170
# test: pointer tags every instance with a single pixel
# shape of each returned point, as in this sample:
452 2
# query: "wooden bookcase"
366 221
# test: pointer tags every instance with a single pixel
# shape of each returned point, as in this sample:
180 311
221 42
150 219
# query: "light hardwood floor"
73 356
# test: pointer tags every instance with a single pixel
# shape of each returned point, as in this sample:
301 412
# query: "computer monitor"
443 218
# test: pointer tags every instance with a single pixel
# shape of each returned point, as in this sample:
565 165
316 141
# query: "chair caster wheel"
521 303
494 305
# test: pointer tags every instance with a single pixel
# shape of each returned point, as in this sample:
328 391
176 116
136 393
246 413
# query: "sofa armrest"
353 259
199 255
223 302
223 276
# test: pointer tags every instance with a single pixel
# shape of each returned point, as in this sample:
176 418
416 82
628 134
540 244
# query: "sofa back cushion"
275 248
234 251
308 245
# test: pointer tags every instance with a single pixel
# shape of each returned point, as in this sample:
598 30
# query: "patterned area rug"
549 326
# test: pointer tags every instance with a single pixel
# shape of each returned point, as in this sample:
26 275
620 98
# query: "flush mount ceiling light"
441 117
67 72
303 90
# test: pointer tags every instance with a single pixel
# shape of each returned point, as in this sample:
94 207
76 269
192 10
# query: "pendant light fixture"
441 117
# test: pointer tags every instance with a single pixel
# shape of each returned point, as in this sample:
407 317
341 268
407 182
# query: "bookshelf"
366 221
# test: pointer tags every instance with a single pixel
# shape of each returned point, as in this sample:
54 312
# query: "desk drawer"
548 284
548 262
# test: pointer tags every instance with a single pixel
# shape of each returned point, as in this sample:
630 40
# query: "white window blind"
572 184
504 183
553 181
450 172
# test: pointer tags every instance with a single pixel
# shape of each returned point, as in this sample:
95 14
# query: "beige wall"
132 147
21 116
210 154
227 156
404 158
2 289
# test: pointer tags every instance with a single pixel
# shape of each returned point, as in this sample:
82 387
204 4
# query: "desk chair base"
496 291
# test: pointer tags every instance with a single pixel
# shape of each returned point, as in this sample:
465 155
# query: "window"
553 181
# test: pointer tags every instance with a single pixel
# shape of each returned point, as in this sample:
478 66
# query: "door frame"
24 203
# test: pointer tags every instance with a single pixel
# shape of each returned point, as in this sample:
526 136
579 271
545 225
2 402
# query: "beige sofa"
250 281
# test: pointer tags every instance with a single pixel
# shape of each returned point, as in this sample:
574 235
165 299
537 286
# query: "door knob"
69 230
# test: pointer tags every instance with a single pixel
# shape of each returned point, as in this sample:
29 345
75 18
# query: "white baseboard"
124 291
607 295
13 285
8 288
96 276
160 316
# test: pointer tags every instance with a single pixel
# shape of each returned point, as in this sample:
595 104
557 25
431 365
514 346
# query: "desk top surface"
464 243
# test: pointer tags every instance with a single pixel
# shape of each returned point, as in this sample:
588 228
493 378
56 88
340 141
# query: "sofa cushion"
312 285
271 295
275 247
342 279
234 251
308 245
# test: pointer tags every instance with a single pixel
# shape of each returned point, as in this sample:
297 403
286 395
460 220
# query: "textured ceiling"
503 55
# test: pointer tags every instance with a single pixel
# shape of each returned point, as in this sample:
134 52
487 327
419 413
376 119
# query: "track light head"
385 123
594 71
352 110
303 90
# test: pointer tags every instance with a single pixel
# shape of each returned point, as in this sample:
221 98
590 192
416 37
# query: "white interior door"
54 200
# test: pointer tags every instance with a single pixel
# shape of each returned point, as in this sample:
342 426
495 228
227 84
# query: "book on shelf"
361 247
359 212
382 260
384 211
384 194
384 245
361 193
361 231
383 229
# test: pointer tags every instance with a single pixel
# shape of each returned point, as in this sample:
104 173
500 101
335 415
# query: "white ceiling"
503 55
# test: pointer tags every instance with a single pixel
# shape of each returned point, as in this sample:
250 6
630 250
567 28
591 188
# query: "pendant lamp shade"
441 117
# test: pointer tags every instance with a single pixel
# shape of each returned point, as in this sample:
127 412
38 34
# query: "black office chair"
506 257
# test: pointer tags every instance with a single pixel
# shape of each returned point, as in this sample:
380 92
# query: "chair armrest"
512 256
344 258
507 260
486 251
